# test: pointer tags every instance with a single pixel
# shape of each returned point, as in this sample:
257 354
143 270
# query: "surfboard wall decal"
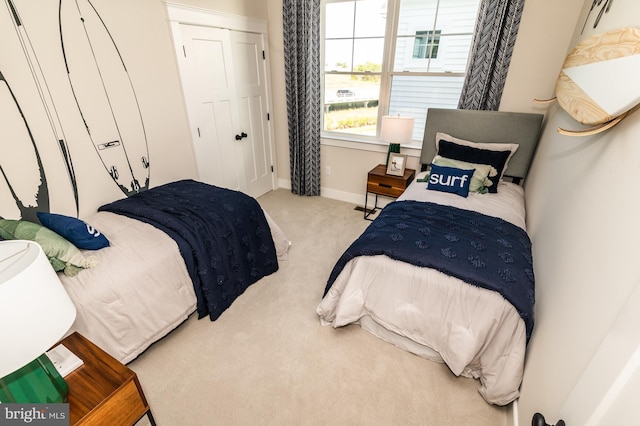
31 194
599 84
104 94
605 7
45 96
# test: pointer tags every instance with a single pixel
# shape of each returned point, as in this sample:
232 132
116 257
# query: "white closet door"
208 82
224 80
251 88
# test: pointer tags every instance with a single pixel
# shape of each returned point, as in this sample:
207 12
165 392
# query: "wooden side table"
102 391
380 183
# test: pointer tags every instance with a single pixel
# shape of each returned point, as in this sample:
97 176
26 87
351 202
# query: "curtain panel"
301 22
495 35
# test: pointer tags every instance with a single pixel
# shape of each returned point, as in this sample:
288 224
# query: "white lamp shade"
35 309
396 129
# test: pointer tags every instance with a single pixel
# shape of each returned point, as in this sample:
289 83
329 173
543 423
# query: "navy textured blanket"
222 235
481 250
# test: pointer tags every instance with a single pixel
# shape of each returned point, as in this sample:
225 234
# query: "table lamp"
35 313
396 130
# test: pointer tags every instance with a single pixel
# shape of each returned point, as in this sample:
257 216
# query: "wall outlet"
327 170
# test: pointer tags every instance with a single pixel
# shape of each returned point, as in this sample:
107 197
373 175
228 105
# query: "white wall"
543 39
141 33
582 215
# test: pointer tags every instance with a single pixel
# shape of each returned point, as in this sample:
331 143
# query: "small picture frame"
396 165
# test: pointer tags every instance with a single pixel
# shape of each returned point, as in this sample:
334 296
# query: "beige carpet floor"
267 360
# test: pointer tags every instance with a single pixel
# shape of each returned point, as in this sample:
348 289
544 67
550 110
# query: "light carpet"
267 360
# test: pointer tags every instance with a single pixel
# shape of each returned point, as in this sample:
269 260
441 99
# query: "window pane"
337 55
416 15
453 54
351 103
412 95
371 18
367 55
450 16
339 19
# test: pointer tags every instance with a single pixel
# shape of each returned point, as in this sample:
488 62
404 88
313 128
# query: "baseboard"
284 184
347 197
334 194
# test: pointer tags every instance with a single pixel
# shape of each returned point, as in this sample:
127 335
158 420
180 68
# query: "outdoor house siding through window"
417 77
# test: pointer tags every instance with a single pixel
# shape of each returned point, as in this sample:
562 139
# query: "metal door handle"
241 136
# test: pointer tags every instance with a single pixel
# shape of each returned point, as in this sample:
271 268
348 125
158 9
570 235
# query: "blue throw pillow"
79 233
450 179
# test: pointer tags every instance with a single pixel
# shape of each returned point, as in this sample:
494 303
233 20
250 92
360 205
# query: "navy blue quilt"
222 235
481 250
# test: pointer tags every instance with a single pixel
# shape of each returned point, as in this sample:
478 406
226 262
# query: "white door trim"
184 14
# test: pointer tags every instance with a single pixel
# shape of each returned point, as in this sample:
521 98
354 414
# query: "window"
388 57
426 44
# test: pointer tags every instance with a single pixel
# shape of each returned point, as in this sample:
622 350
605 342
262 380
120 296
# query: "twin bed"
139 266
174 250
445 276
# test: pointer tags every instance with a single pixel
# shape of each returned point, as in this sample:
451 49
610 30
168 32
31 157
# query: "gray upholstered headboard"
485 126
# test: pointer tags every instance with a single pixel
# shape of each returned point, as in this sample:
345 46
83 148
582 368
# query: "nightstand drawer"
124 407
379 182
386 188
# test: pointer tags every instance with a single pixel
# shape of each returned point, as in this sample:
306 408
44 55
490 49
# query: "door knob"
241 136
538 420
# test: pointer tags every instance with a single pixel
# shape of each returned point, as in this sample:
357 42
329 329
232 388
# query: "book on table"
63 359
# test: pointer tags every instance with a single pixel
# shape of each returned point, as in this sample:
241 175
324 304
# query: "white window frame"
374 143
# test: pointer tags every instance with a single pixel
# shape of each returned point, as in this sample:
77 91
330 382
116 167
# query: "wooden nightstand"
380 183
102 391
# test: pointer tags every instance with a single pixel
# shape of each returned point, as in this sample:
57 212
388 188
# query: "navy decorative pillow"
79 233
497 159
450 179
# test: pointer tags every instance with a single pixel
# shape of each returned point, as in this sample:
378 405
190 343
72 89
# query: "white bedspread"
475 331
140 289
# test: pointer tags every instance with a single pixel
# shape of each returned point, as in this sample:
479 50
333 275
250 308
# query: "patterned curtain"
301 21
496 31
